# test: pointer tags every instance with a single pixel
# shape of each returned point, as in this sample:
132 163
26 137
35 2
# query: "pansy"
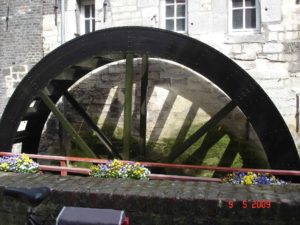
19 163
118 169
251 178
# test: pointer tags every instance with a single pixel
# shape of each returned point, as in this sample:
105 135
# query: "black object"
32 196
156 43
90 216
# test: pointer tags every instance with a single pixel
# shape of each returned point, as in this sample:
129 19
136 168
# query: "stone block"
71 5
15 84
271 84
236 48
220 22
289 35
6 72
291 26
272 36
200 22
126 16
19 68
270 10
194 6
150 16
48 23
294 67
175 73
292 47
253 38
248 56
282 57
115 3
114 69
131 21
294 84
246 65
23 9
297 74
265 74
219 6
153 76
273 48
15 76
205 5
275 27
154 66
148 3
124 9
110 77
150 12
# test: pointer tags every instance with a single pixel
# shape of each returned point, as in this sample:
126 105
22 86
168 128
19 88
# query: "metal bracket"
7 16
297 112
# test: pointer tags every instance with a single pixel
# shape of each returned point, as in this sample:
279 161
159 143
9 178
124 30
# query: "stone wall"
20 42
270 56
159 202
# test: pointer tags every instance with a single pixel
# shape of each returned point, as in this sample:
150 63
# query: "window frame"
257 28
174 18
82 15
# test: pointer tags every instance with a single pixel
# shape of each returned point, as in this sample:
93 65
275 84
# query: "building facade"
262 36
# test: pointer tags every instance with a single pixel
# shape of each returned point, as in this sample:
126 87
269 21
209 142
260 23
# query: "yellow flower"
248 179
4 166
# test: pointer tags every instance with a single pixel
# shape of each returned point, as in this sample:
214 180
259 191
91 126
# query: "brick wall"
159 202
20 42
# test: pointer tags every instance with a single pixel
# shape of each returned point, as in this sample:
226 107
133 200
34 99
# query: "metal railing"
63 169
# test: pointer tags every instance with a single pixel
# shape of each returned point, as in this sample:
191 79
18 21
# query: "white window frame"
164 17
82 16
244 7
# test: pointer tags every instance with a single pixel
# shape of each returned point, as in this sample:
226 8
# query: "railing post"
63 172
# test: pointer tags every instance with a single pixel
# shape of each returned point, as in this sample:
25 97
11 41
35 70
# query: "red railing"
63 169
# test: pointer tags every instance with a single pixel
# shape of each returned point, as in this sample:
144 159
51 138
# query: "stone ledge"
161 202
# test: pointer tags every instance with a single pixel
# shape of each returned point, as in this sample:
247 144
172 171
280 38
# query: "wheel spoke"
100 135
128 106
66 125
200 132
143 105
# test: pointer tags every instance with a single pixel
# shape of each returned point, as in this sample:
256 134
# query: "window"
175 12
244 15
87 15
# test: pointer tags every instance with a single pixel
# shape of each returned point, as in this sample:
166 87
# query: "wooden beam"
66 125
200 132
143 105
100 135
213 136
228 156
128 106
